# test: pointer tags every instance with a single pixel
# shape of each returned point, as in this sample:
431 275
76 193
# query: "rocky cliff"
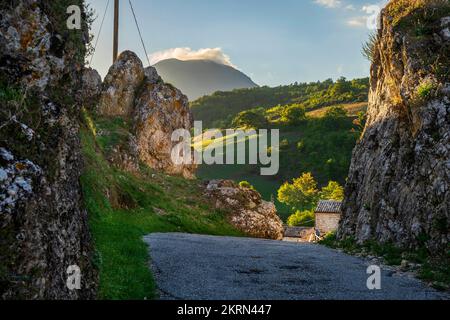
154 110
43 225
121 85
91 88
399 180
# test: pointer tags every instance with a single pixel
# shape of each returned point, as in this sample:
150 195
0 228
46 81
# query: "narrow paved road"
223 268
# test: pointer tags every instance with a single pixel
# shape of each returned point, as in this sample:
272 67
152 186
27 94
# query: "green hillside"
219 109
320 142
123 207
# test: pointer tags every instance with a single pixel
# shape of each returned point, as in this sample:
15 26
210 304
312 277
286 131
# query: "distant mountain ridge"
197 78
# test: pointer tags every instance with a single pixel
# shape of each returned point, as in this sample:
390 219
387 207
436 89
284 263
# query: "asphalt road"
192 267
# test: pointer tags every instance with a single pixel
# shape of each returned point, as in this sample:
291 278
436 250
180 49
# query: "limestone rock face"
25 30
399 182
43 225
154 110
247 211
152 75
120 85
160 110
92 87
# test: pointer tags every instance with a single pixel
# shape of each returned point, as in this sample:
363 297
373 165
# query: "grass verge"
123 207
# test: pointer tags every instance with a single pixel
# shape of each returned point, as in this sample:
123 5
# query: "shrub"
369 47
246 185
329 240
8 94
251 119
284 144
426 89
300 145
293 115
336 112
301 219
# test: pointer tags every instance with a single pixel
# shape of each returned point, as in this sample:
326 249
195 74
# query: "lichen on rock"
398 188
120 85
246 210
16 181
92 88
43 223
154 109
160 110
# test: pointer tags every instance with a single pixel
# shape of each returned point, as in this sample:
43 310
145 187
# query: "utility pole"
116 31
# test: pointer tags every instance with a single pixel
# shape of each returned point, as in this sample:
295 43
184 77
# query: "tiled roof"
327 206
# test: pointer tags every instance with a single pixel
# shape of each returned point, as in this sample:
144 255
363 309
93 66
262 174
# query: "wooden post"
116 31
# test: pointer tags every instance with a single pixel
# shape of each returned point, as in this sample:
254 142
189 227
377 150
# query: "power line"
99 32
139 30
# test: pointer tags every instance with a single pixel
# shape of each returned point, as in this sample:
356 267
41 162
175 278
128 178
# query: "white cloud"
350 7
329 3
357 22
370 19
213 54
371 9
374 8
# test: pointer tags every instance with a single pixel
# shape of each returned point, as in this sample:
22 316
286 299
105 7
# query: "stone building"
328 214
298 234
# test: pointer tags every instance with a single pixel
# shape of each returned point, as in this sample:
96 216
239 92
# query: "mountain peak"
197 78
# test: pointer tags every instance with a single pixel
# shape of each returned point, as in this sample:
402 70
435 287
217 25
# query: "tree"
274 114
340 87
293 114
301 194
333 191
336 118
336 112
251 119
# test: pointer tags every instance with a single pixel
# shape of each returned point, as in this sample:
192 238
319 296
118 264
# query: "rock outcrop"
154 109
160 110
399 182
246 209
120 85
43 225
92 88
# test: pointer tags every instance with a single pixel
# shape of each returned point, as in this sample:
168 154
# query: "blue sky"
275 42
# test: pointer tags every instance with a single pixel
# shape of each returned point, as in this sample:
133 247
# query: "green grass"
111 132
352 110
408 13
124 207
